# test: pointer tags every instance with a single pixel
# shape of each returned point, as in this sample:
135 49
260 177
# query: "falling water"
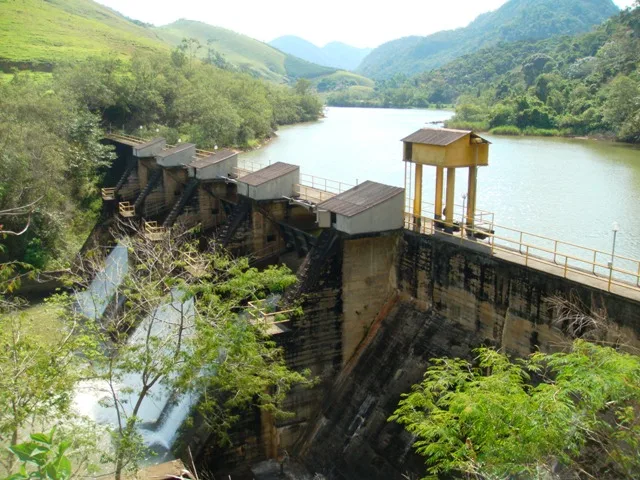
163 411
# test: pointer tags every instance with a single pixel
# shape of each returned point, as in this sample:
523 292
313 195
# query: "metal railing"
247 167
531 248
312 195
324 184
482 218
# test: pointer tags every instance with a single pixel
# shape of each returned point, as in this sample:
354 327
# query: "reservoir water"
568 189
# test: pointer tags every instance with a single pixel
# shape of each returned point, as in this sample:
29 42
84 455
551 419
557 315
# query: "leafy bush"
542 132
506 130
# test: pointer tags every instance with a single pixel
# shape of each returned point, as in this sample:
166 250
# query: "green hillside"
248 54
37 35
515 20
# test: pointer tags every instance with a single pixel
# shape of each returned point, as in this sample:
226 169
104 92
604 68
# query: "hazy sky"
356 22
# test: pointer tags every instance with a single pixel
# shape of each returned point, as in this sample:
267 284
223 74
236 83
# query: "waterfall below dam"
163 410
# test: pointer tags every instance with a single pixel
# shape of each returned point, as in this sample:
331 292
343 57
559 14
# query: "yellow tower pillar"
439 189
417 200
451 191
471 189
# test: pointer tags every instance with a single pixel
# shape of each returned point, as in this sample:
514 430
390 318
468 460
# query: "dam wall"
451 300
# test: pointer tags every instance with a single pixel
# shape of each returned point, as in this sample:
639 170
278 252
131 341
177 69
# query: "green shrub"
542 132
506 130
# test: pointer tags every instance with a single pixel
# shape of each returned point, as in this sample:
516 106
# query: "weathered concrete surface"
352 438
368 281
452 300
504 303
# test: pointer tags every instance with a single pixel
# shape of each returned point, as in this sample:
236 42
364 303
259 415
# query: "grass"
41 34
250 55
37 35
506 130
352 78
42 320
245 52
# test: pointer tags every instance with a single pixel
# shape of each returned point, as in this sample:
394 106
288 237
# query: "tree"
42 458
573 413
39 367
622 105
302 86
183 329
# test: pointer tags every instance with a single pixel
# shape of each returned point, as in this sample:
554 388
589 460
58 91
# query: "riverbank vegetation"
587 84
51 129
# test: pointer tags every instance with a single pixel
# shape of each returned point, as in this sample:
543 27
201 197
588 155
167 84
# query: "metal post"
613 253
555 251
520 244
462 221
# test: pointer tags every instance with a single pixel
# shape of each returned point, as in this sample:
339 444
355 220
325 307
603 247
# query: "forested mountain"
515 20
37 35
333 54
574 85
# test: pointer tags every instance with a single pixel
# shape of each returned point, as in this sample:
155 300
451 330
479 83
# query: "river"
568 189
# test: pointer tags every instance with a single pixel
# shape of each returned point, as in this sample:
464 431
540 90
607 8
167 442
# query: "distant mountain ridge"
515 20
333 54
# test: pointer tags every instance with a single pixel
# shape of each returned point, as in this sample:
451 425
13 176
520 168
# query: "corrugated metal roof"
360 198
436 136
439 136
178 148
266 174
212 159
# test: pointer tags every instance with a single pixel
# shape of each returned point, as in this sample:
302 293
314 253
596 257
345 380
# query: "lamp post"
615 229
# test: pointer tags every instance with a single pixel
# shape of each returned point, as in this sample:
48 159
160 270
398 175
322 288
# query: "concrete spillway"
93 301
162 411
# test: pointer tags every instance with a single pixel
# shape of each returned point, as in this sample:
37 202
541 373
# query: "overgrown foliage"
184 330
562 415
50 132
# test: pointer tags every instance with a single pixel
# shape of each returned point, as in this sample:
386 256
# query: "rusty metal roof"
360 198
178 148
269 173
212 159
440 137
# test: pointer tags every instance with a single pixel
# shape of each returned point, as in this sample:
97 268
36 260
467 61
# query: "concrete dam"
386 279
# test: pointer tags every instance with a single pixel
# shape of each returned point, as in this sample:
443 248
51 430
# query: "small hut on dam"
274 182
367 208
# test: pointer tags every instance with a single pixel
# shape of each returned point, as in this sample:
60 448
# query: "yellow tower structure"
448 149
